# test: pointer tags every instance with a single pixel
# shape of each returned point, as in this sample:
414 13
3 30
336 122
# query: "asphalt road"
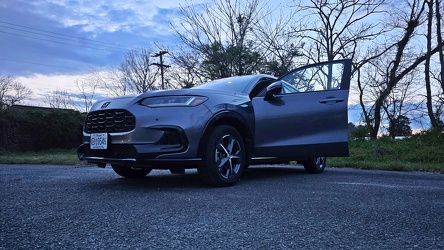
279 207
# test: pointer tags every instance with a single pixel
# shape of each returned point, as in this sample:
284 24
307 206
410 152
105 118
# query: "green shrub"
27 129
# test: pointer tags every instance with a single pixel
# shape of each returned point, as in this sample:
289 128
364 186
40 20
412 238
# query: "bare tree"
438 6
185 72
137 74
400 67
335 29
12 92
401 58
437 115
87 91
110 81
220 32
370 78
429 102
279 46
60 99
401 102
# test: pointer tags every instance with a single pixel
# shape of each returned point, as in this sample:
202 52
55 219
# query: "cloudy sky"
48 44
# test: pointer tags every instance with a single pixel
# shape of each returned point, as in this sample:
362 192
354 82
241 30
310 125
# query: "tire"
315 165
224 157
130 172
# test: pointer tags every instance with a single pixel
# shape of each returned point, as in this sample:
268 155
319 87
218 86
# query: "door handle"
331 100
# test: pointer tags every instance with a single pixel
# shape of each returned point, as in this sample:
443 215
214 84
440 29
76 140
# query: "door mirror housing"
273 89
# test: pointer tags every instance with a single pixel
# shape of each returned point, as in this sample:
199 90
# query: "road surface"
272 207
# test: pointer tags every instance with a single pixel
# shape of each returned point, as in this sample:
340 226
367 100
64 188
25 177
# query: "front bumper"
142 136
136 155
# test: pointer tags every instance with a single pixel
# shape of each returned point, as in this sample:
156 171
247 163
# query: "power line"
102 43
48 40
53 37
57 37
19 61
49 36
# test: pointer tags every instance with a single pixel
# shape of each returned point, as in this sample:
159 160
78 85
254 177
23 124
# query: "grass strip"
422 152
54 157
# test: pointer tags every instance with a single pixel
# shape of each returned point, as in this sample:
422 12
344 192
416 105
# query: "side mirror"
273 89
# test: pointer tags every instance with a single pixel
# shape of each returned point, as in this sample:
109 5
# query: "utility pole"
161 65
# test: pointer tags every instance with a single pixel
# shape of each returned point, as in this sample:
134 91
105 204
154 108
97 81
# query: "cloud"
65 36
103 16
48 44
43 84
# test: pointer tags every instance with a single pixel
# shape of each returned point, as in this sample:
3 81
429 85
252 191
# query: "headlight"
173 101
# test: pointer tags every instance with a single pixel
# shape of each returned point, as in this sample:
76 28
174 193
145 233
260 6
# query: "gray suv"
223 126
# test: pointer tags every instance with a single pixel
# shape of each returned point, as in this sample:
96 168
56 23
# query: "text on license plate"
99 141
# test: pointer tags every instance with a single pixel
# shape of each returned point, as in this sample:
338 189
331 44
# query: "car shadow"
161 179
271 171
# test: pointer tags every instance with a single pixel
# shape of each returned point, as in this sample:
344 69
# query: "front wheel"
130 172
224 157
315 165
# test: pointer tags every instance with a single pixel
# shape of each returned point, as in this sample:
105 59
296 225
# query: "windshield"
236 83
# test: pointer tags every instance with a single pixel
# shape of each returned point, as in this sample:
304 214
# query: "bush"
34 129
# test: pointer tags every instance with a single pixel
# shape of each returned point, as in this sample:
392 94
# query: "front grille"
109 121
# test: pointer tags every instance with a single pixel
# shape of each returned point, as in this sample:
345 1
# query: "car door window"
316 78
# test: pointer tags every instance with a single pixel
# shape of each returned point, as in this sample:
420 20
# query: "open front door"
308 117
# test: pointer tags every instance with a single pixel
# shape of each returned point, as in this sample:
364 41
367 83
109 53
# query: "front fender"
242 121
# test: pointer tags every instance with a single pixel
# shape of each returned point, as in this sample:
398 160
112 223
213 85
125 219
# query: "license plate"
99 141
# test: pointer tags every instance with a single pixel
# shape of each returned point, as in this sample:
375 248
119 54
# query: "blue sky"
49 45
51 37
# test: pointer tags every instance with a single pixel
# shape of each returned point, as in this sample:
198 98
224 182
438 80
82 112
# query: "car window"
288 88
259 89
319 77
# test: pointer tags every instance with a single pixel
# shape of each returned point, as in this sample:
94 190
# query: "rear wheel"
224 158
130 172
315 165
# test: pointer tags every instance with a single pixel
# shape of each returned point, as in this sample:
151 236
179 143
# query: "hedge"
24 128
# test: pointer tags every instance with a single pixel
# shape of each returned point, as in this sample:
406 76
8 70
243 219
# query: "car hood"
124 102
191 91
